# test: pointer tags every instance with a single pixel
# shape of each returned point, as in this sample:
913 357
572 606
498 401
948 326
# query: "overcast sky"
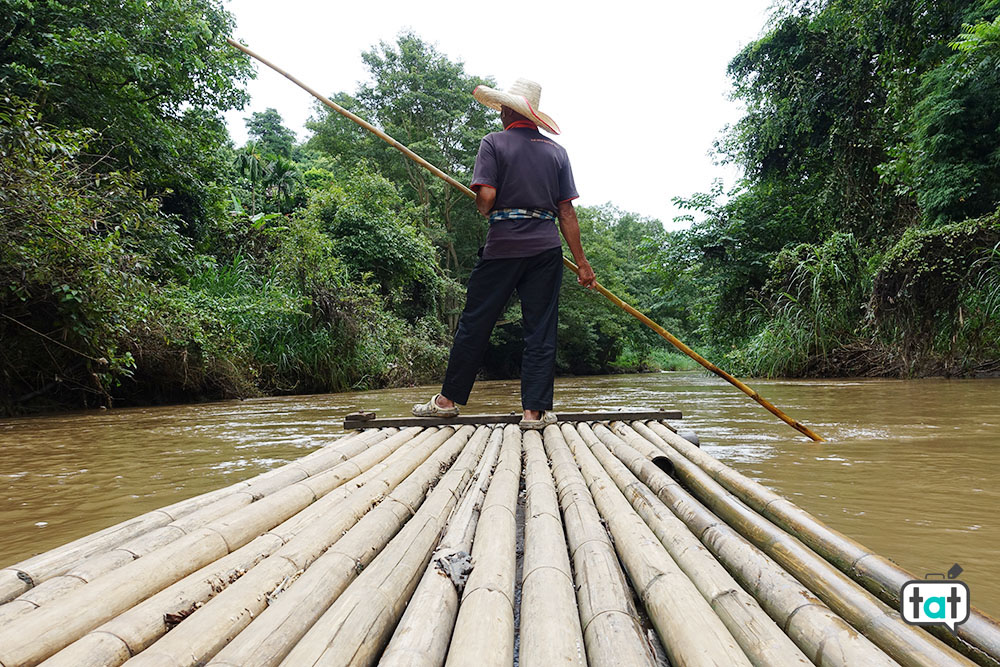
639 89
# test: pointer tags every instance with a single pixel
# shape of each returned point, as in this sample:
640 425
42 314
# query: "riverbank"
855 363
864 360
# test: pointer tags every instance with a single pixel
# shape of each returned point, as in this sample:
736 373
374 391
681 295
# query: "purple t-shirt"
528 171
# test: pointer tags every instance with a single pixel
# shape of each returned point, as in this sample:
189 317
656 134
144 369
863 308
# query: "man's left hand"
586 275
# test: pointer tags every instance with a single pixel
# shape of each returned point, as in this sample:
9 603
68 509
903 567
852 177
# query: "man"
523 183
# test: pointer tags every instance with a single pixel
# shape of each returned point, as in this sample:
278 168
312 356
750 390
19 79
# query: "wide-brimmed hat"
522 97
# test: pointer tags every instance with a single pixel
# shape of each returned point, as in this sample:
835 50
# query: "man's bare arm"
485 198
570 228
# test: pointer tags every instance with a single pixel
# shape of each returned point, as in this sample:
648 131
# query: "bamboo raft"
593 542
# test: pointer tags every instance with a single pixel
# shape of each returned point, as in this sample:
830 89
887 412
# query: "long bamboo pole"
289 618
423 634
757 634
21 577
670 338
355 629
133 631
696 637
884 626
254 489
484 629
978 638
270 592
611 630
825 638
30 638
550 621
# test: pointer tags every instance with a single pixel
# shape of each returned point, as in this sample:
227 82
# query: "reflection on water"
911 469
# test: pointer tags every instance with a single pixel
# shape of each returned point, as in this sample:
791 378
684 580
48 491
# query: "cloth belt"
521 214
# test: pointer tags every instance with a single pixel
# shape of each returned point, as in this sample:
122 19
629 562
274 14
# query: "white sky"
639 89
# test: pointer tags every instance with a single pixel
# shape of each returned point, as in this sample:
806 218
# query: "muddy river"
911 469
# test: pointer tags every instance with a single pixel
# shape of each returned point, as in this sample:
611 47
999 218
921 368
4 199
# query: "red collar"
522 123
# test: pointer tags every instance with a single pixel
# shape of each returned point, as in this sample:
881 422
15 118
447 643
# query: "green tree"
282 181
953 162
267 128
423 99
79 252
813 125
861 122
340 139
152 80
249 162
376 235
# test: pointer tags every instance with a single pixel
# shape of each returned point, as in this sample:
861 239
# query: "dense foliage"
143 257
862 239
420 97
150 83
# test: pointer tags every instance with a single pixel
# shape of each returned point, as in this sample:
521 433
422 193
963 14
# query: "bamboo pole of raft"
978 638
372 515
611 633
669 337
550 623
422 636
21 577
484 630
283 624
827 639
760 637
31 638
355 629
907 644
689 628
133 631
91 568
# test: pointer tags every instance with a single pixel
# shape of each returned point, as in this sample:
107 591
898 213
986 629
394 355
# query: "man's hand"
485 198
586 275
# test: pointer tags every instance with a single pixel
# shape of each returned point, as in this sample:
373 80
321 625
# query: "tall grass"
976 329
812 305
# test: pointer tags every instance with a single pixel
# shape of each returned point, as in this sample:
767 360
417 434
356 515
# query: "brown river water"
911 469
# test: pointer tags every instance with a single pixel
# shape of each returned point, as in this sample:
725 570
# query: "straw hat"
522 97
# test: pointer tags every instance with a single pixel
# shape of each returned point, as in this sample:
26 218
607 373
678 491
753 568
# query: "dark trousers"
537 281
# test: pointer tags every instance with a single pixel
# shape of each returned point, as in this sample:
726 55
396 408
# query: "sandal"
432 409
548 418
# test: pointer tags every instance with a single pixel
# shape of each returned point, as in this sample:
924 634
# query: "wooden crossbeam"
359 420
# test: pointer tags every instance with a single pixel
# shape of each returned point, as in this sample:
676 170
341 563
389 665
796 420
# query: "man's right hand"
586 275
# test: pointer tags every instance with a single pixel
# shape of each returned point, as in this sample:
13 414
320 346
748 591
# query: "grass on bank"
654 359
